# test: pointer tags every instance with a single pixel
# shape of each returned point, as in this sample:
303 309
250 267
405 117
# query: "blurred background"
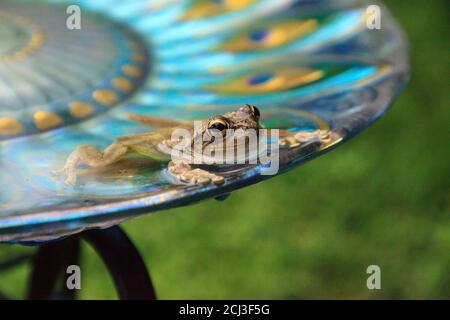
382 198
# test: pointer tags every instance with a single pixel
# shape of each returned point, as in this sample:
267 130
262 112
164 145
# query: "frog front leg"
91 156
184 172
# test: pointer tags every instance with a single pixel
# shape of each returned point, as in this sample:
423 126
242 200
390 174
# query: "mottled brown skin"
151 144
148 144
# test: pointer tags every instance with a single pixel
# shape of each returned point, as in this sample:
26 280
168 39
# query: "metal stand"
120 256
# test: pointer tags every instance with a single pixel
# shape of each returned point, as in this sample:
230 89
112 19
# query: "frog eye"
218 124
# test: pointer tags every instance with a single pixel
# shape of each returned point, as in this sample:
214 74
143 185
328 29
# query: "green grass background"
382 198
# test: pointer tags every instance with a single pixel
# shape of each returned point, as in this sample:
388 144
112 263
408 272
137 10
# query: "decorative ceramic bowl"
306 64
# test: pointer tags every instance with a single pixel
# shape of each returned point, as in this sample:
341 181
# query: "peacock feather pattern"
307 64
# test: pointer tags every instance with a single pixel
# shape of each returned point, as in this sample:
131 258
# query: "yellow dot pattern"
105 97
46 120
80 109
10 127
122 84
131 70
36 41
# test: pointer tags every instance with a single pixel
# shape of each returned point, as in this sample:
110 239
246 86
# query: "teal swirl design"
306 64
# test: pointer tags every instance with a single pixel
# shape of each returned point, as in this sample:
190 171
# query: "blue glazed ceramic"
306 64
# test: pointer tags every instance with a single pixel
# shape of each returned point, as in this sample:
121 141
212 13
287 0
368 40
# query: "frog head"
229 126
230 130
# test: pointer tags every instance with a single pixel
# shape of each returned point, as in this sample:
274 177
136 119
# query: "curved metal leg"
15 261
49 266
119 254
123 261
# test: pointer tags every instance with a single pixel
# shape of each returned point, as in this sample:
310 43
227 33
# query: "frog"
158 144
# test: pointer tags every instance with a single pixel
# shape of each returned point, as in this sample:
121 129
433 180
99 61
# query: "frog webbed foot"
302 137
183 172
